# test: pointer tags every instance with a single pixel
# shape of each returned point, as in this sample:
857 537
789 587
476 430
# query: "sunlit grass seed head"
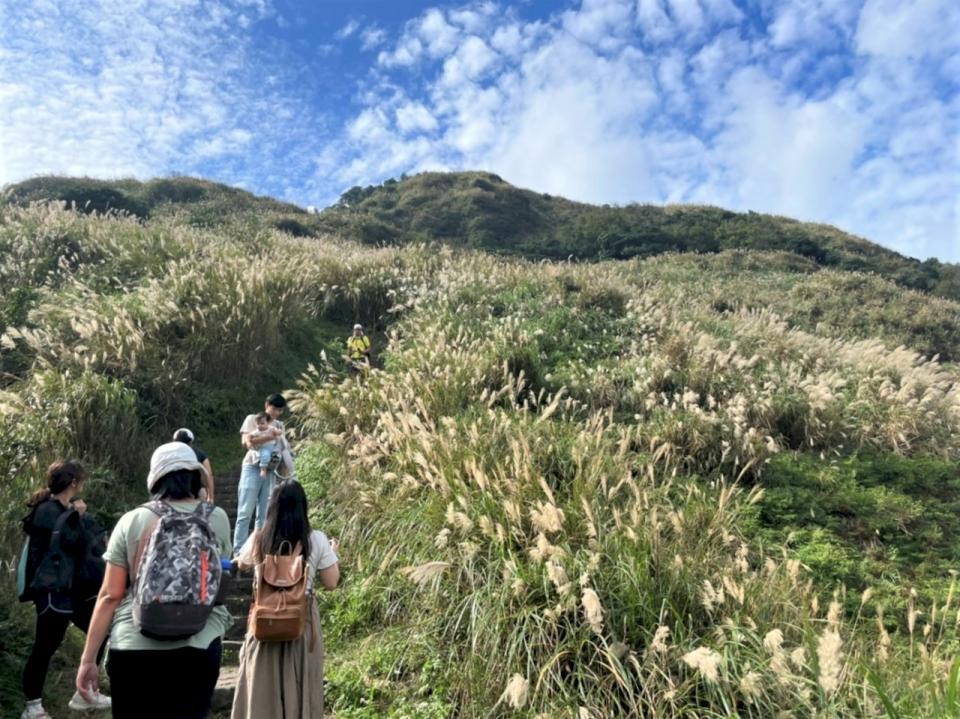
706 661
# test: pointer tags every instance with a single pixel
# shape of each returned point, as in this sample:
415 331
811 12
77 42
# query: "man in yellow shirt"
358 349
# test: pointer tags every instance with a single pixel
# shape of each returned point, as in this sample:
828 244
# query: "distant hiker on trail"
254 490
281 663
186 436
61 570
159 597
358 350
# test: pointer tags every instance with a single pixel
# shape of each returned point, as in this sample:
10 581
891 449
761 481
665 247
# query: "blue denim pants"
252 496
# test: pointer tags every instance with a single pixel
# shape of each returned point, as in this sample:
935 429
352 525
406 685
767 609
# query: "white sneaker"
35 711
97 702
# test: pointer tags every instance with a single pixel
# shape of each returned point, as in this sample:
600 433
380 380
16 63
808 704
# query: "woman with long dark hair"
284 679
153 677
57 512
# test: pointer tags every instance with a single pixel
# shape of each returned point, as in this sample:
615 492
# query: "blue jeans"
252 496
266 451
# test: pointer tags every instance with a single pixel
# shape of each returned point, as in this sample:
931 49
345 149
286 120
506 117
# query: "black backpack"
56 569
91 566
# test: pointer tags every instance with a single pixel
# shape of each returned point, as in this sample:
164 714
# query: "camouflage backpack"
176 573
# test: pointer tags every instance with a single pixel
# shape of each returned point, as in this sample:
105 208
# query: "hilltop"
481 211
196 202
478 210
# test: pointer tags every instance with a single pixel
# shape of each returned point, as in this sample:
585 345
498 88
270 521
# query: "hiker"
61 574
254 490
281 674
358 350
187 437
165 647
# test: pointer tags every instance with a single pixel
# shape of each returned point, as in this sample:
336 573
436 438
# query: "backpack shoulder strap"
58 530
159 510
158 507
62 519
204 510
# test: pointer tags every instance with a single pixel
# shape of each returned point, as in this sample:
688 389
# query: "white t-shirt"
321 556
249 426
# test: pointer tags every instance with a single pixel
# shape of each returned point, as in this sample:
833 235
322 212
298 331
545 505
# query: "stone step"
226 685
238 630
238 604
231 652
237 584
231 649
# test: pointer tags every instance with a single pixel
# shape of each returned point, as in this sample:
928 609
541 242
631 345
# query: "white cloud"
600 22
406 53
827 113
371 125
111 88
473 58
228 143
347 30
898 29
723 11
812 22
414 116
687 13
111 93
372 37
474 19
581 106
780 153
508 40
654 23
439 36
717 60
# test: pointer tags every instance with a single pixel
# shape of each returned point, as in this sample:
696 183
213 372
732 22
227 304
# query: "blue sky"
836 111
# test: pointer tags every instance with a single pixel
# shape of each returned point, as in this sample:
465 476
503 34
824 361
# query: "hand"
88 679
277 432
80 505
335 545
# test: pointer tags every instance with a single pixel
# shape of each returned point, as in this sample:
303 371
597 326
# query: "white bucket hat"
358 327
186 432
170 457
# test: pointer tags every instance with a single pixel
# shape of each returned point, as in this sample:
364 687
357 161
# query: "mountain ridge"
479 210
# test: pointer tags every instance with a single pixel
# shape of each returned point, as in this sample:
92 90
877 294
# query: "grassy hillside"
194 201
594 489
480 210
583 490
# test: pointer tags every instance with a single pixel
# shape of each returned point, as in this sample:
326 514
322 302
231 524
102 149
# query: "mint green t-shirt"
122 550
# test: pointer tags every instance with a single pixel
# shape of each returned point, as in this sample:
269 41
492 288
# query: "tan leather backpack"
279 609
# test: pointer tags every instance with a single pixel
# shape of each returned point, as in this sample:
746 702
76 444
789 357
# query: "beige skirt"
281 680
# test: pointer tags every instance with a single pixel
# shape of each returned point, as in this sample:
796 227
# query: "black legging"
51 628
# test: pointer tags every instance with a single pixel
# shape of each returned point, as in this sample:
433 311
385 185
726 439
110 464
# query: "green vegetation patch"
866 520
